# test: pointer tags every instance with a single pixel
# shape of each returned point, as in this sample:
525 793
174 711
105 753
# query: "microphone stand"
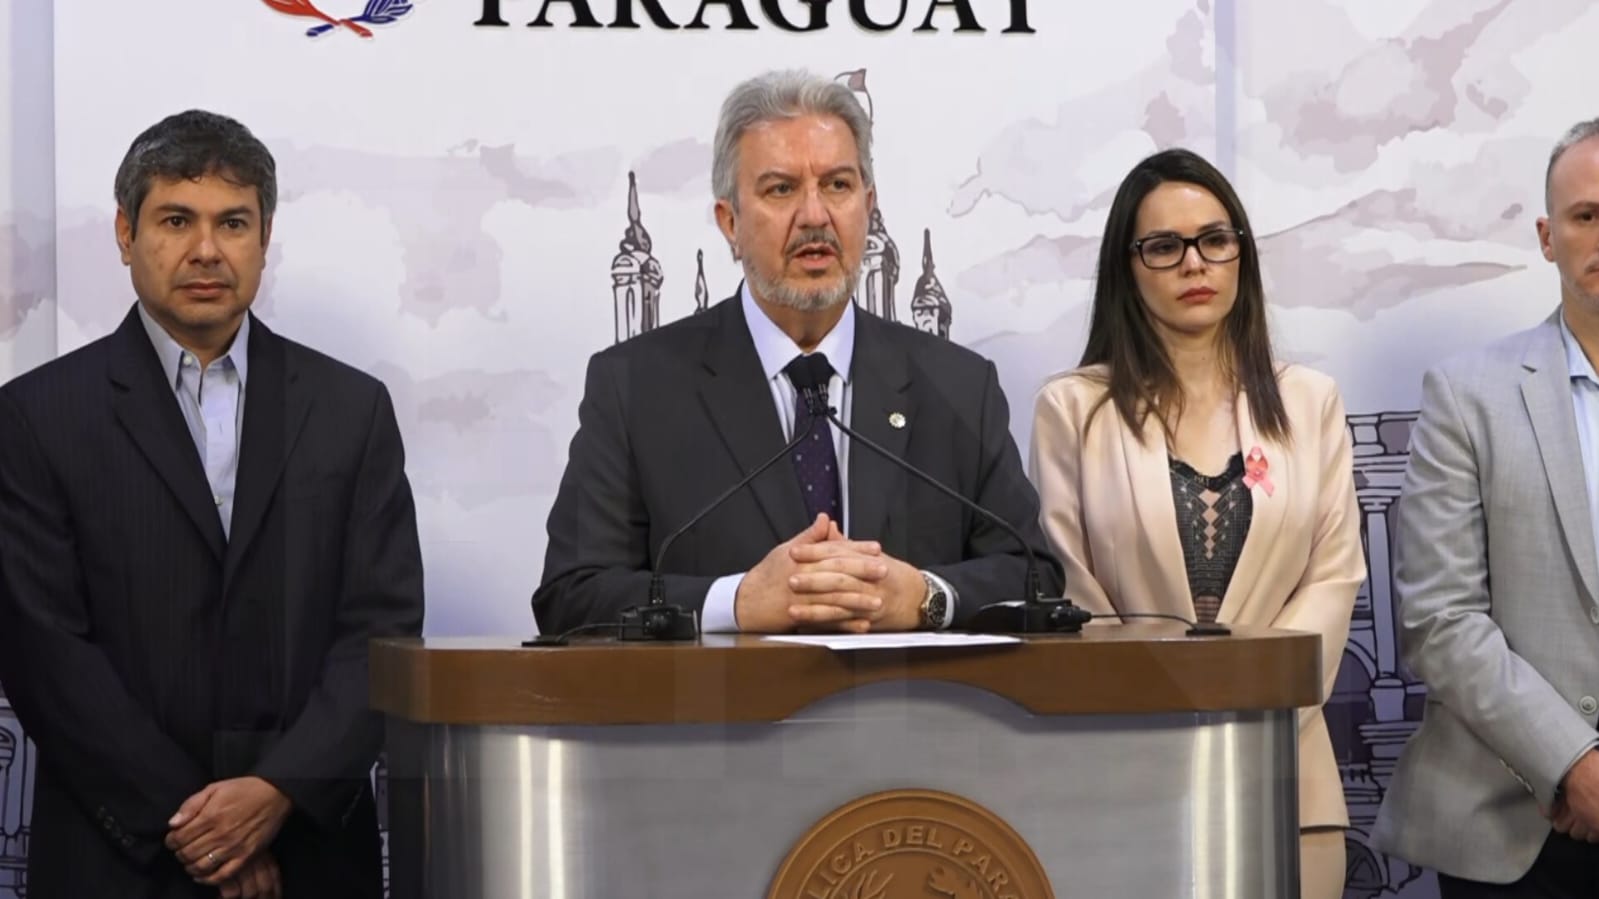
656 620
1033 614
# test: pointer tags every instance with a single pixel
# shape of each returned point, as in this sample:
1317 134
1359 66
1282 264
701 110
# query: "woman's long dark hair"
1121 336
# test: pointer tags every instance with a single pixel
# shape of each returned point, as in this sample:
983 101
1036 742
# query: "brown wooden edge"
1132 669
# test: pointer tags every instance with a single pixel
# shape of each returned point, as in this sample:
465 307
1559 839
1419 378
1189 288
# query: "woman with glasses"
1183 471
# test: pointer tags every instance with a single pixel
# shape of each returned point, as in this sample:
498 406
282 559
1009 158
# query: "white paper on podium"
911 640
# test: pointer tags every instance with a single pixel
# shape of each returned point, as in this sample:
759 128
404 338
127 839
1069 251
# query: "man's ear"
727 221
124 229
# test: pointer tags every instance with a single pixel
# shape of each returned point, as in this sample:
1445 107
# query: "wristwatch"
935 606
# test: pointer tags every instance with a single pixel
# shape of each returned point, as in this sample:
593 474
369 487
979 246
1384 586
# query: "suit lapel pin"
1255 471
896 420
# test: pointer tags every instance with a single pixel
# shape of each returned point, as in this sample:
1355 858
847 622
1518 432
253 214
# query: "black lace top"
1213 513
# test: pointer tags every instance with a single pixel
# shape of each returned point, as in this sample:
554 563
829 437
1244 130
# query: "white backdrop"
453 197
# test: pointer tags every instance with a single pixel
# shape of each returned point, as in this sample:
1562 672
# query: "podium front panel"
1200 804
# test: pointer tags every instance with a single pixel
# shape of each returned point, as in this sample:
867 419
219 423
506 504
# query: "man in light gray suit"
1498 579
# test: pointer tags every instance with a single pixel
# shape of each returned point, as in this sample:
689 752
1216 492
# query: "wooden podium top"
1119 669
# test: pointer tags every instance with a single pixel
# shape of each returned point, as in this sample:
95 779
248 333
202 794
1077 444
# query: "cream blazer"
1108 512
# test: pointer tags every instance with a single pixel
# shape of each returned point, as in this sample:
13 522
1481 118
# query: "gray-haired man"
834 538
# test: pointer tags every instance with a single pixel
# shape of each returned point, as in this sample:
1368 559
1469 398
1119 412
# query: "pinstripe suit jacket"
693 390
1498 592
147 655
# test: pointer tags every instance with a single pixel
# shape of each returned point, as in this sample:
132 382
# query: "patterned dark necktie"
815 463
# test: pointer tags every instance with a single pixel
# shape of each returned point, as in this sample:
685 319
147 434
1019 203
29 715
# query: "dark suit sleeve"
598 557
113 759
995 567
324 757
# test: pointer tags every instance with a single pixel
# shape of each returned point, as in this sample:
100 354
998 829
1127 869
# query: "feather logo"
376 12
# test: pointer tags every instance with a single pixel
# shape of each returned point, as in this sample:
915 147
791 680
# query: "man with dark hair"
202 525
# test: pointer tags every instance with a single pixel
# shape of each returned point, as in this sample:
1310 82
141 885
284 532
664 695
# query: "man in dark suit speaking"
675 416
202 524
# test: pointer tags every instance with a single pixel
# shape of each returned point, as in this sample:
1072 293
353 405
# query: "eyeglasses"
1167 250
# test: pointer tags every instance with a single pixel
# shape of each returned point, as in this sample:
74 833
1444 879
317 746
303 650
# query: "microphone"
1033 614
658 621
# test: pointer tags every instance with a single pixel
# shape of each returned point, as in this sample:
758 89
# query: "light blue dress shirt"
212 402
1585 403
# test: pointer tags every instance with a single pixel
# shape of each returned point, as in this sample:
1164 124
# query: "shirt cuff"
949 606
717 616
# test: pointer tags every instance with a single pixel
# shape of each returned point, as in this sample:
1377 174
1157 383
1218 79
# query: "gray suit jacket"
1499 610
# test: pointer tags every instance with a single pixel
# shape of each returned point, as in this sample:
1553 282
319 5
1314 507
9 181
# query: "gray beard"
803 300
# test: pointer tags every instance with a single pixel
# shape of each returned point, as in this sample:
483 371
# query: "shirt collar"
1577 363
171 353
777 349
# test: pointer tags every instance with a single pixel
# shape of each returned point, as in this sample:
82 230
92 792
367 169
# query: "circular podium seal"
911 844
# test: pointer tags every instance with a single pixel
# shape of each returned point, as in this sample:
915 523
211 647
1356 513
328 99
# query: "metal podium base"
1201 805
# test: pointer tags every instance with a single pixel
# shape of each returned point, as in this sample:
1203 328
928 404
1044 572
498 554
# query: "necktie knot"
809 370
810 374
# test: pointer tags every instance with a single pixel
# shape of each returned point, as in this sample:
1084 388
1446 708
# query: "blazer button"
1593 614
1588 705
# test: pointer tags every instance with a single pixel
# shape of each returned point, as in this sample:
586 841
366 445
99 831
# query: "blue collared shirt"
1585 403
212 403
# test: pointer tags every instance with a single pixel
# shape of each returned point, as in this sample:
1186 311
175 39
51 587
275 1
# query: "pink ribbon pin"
1255 471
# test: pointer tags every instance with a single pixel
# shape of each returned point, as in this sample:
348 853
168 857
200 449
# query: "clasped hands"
221 835
820 581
